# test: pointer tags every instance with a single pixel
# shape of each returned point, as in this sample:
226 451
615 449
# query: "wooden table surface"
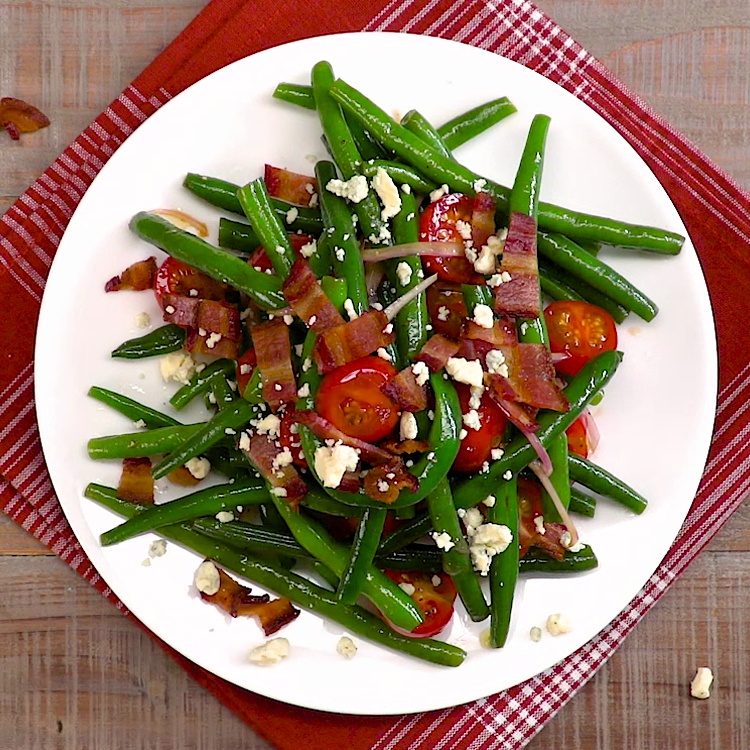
74 673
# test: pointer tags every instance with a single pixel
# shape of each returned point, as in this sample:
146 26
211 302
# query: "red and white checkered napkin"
713 208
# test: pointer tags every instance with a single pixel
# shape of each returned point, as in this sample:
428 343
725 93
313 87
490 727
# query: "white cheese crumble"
158 548
535 634
464 229
270 653
346 647
349 309
291 215
483 316
308 249
142 320
700 687
408 426
304 391
386 189
490 501
224 516
443 540
269 425
421 372
198 466
496 364
465 371
539 524
472 420
558 624
178 366
403 273
443 313
353 190
488 540
207 579
436 195
332 462
407 588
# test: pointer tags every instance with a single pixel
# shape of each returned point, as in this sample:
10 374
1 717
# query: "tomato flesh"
439 223
350 398
176 277
476 447
447 308
578 438
434 594
580 331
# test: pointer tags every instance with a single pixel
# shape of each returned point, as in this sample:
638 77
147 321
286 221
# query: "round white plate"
655 421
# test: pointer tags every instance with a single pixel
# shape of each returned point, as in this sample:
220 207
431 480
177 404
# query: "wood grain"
74 673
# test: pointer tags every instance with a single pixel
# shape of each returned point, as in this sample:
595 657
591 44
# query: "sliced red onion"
544 461
591 428
448 249
396 306
543 477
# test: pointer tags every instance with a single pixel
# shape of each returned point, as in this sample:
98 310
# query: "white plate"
655 422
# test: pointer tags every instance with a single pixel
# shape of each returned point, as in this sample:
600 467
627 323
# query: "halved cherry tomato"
350 398
434 594
476 447
439 223
260 261
289 438
176 277
579 330
447 308
578 440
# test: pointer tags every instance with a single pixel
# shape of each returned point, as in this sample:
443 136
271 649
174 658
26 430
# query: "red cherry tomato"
578 439
176 277
476 447
439 223
445 303
350 398
434 599
579 330
529 508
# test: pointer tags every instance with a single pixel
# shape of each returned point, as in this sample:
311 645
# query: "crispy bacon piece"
308 300
135 278
519 296
264 454
502 333
405 447
289 186
482 219
180 310
519 414
385 481
437 350
325 430
274 354
17 117
219 317
549 542
237 600
207 343
136 481
352 340
405 392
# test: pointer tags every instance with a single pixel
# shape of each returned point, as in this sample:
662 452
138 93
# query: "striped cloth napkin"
714 209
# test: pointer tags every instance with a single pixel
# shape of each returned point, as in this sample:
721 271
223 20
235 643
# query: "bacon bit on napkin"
17 116
237 600
135 278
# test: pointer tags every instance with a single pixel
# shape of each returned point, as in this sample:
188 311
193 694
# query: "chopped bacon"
326 430
219 317
385 481
237 600
308 300
405 447
350 482
135 278
181 310
274 354
502 333
518 414
405 392
136 481
519 296
289 186
482 219
549 542
437 350
352 340
17 117
204 342
264 453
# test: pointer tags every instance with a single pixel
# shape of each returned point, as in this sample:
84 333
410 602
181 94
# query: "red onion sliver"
396 306
448 249
561 509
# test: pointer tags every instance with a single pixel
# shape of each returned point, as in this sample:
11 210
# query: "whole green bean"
295 93
144 443
200 382
131 408
362 553
605 483
195 251
524 195
475 121
582 503
536 561
160 341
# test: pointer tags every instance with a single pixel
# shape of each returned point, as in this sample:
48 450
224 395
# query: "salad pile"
398 356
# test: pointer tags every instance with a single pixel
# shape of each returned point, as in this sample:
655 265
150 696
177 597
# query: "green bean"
223 194
364 546
235 416
405 534
504 565
295 93
200 382
237 235
297 589
459 178
537 561
138 444
559 477
204 502
565 253
392 601
582 503
456 559
422 557
162 340
415 122
264 289
519 452
345 153
253 538
346 258
130 408
524 195
256 203
472 123
605 483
